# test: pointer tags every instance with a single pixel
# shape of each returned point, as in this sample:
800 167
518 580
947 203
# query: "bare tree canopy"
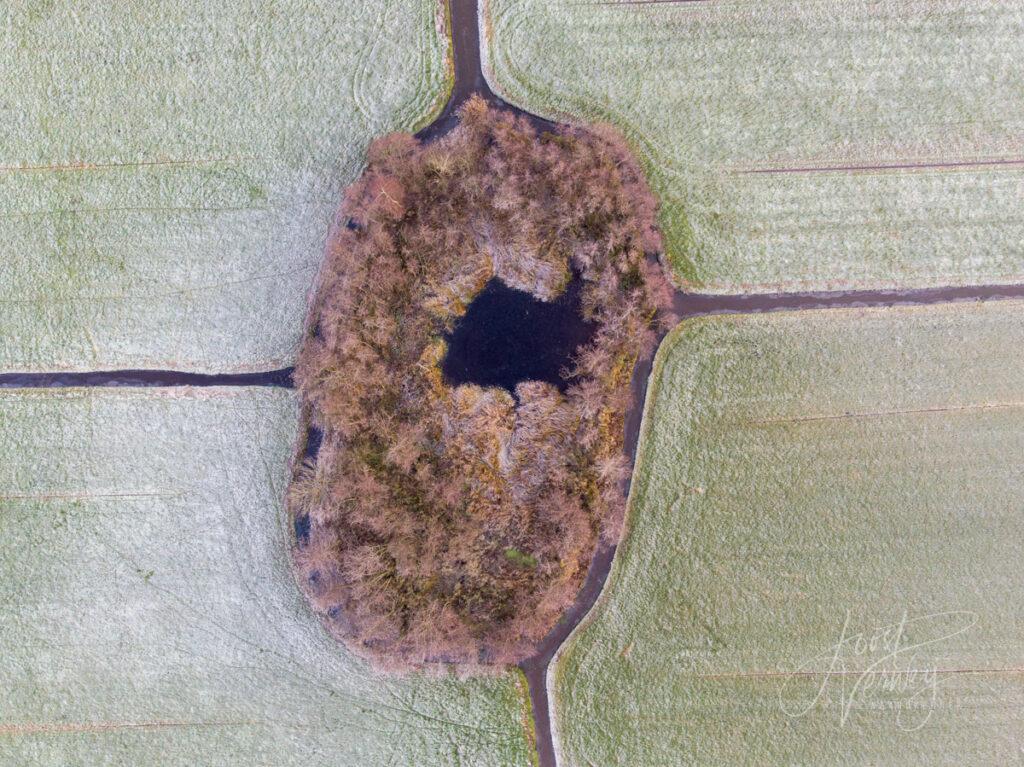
453 524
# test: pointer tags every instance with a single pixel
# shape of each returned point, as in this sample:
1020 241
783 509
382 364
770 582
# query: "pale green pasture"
762 123
822 557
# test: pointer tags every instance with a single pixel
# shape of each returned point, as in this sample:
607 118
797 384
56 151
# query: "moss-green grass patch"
822 556
148 613
169 169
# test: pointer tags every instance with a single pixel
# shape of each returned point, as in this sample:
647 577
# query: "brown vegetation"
455 524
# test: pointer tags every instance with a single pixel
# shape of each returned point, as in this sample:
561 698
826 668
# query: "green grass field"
169 169
778 134
148 614
808 483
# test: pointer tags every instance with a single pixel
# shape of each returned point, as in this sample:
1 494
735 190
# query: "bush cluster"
455 524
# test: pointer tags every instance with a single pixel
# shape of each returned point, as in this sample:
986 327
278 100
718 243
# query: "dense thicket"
454 524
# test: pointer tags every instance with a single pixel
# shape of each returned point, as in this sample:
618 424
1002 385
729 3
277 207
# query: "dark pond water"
301 523
507 336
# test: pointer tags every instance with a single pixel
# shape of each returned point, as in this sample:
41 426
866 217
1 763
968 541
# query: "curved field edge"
150 611
741 219
458 542
443 30
189 237
639 471
707 704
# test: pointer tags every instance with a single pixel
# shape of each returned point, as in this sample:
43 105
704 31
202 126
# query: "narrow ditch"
686 306
281 378
469 79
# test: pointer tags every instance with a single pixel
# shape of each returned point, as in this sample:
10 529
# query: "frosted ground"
148 612
794 470
167 178
169 170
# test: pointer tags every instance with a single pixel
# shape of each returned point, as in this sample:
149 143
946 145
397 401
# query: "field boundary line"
45 728
856 673
884 413
951 165
86 166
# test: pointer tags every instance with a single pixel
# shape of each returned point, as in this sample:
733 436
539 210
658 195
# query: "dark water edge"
469 79
535 668
508 336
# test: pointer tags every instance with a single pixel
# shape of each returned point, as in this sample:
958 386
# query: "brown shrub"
456 524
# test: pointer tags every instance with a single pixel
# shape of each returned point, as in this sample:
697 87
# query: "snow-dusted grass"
764 126
169 168
805 479
148 613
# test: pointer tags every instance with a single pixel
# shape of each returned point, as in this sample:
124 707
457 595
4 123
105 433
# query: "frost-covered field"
148 614
798 145
168 169
823 556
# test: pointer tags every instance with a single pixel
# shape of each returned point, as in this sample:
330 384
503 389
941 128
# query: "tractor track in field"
948 165
469 80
